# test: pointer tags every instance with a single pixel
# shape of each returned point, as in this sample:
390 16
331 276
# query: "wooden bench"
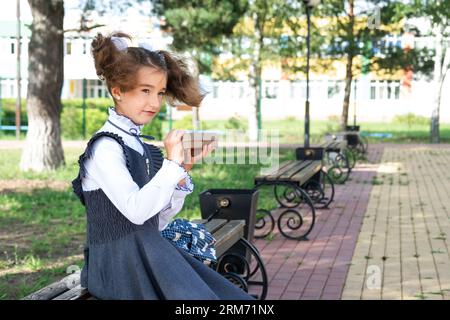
355 141
336 159
227 235
299 186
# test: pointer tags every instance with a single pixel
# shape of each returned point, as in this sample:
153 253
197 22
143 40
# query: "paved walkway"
384 236
403 248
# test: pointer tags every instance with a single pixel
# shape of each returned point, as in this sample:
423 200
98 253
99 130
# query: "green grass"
9 168
291 131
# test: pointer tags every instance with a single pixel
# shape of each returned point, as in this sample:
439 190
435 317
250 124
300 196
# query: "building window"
241 91
397 92
381 90
292 90
271 90
372 92
389 90
84 48
68 48
334 89
13 48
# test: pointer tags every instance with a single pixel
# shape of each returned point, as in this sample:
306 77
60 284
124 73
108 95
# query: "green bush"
236 123
94 103
72 122
411 119
334 118
8 112
72 117
290 119
332 125
185 123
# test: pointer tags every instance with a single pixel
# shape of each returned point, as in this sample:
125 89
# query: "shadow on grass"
18 284
39 229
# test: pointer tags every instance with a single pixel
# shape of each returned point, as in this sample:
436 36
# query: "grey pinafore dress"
128 261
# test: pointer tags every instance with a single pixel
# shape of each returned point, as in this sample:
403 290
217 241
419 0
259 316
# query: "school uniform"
128 202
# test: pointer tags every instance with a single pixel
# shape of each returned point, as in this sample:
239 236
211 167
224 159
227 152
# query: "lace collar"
124 122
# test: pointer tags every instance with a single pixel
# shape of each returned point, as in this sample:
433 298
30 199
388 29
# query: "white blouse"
106 170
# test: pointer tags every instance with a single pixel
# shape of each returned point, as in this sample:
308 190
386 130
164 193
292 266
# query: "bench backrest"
297 171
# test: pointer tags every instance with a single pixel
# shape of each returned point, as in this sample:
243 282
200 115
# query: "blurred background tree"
43 147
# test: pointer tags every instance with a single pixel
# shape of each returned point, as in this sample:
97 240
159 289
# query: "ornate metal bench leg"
338 167
265 223
251 279
297 222
297 216
342 162
321 191
351 157
237 269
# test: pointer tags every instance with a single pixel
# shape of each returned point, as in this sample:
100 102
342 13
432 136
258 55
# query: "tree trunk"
434 134
348 75
43 149
195 118
255 84
347 92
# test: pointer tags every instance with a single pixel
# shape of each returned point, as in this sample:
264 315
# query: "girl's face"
142 103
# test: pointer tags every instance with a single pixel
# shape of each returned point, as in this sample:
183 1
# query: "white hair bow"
146 45
121 43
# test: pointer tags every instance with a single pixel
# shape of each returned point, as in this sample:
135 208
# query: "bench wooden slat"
306 174
284 171
300 165
77 293
54 289
334 145
274 170
325 144
213 225
228 235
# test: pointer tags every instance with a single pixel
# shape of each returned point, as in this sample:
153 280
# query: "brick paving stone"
404 229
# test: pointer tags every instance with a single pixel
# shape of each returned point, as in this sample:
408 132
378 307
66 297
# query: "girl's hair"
119 66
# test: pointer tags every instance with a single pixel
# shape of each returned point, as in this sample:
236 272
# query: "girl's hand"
206 149
174 146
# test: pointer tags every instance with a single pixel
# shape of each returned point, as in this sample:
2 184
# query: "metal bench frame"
336 160
301 182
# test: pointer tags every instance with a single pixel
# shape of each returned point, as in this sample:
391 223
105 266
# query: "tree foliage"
199 26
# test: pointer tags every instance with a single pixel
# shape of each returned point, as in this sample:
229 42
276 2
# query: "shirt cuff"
188 186
178 168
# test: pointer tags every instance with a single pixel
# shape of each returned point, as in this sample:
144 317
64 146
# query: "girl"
131 192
